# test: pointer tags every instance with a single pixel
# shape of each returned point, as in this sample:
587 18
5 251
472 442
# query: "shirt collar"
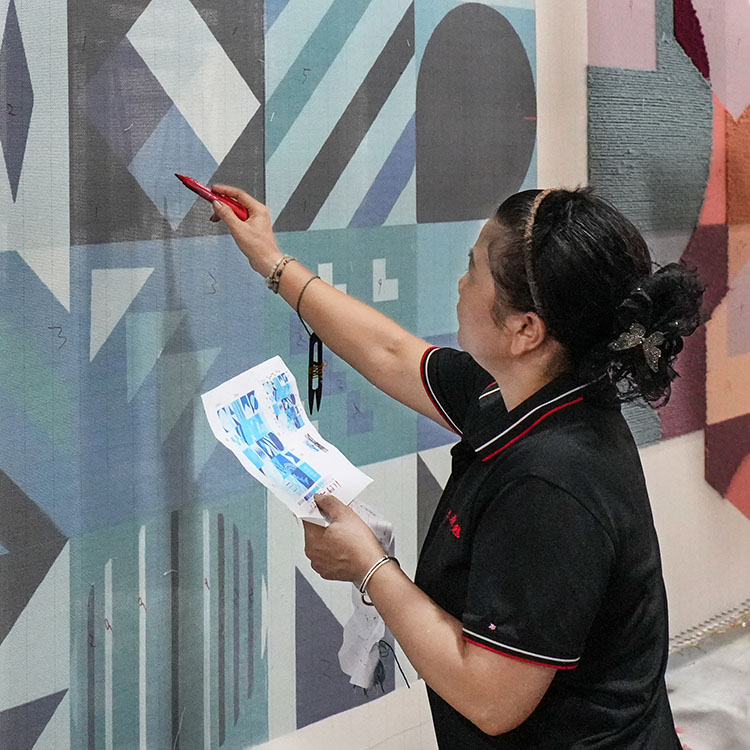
490 428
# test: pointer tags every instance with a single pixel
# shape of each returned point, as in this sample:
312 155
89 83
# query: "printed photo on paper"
259 416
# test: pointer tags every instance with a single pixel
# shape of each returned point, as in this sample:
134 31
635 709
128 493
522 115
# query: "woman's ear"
529 333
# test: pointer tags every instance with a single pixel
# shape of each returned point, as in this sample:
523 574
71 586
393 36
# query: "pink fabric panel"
738 492
726 30
622 33
715 203
739 313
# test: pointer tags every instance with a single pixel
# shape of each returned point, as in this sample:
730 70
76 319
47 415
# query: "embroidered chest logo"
452 519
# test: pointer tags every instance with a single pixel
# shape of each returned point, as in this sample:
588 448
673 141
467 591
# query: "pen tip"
179 176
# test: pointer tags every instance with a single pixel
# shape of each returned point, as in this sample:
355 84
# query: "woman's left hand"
346 548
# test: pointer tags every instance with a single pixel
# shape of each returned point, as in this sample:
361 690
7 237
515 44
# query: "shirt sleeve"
540 564
452 380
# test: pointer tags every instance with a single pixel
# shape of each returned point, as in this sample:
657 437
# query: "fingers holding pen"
254 236
255 209
251 204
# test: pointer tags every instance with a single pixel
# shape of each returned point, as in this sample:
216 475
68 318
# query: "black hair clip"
315 367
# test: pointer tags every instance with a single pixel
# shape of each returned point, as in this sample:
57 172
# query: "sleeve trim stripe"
519 658
492 645
428 388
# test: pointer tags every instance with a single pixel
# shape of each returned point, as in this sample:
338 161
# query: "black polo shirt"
543 545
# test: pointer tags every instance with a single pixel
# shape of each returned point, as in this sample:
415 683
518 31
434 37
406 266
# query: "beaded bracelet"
363 586
273 278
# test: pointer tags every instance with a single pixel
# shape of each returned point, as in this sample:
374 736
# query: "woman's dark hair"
619 322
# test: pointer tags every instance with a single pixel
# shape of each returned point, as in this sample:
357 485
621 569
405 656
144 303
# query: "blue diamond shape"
125 102
17 98
172 147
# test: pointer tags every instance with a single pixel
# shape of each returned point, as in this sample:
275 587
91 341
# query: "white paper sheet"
259 416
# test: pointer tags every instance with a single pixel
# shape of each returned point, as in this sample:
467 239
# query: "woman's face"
478 332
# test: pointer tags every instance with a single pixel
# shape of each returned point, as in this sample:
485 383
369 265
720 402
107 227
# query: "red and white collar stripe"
550 406
491 388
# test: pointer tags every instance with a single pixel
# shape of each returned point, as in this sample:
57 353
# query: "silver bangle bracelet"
363 586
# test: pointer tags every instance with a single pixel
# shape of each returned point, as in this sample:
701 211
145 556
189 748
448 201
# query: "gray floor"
709 689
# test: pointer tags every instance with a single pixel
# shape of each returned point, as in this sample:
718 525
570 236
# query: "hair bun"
650 325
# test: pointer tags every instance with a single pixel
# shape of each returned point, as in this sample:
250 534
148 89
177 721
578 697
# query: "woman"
538 617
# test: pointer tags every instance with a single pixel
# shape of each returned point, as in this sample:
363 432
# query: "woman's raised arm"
373 344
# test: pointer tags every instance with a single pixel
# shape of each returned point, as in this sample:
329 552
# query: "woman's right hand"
254 236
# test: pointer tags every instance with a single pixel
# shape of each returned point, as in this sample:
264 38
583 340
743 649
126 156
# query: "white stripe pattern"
520 650
489 393
142 682
528 414
206 633
108 652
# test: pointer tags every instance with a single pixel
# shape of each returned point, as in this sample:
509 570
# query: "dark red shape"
707 252
727 444
686 410
689 35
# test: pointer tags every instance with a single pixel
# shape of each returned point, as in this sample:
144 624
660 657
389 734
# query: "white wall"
705 540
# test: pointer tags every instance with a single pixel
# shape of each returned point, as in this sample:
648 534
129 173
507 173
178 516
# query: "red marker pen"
210 196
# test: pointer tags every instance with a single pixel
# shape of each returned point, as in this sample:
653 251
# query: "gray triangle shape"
428 496
21 726
25 565
322 688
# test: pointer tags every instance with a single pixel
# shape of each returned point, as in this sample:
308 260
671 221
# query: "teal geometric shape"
31 381
299 84
352 252
204 442
3 551
180 376
442 258
147 333
88 557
